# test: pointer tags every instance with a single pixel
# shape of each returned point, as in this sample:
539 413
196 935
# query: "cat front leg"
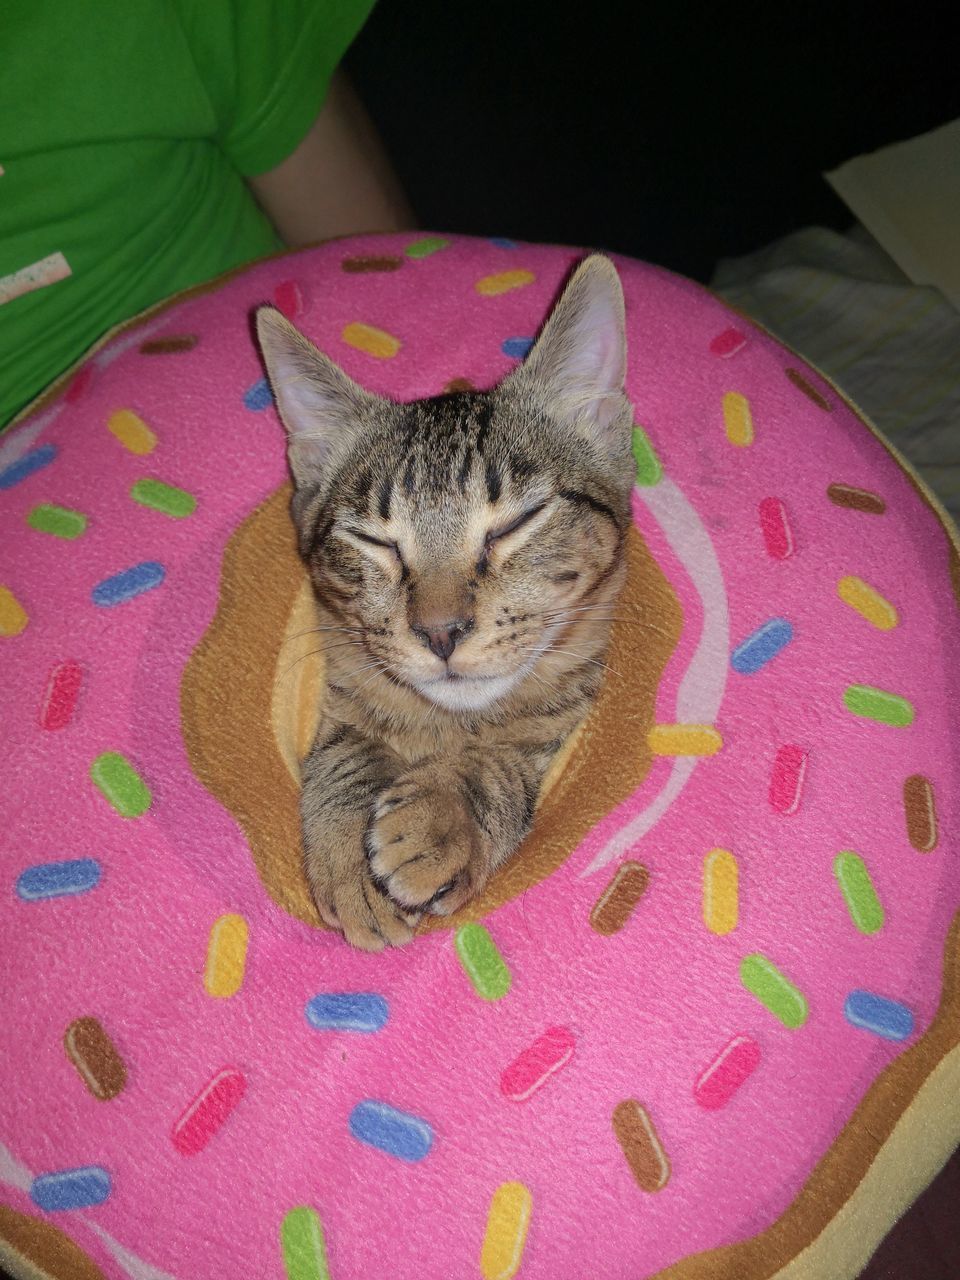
443 827
342 776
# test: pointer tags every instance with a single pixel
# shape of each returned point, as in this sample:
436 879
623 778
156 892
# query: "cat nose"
442 638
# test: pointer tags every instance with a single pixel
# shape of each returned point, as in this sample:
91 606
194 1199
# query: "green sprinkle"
858 892
302 1244
424 248
119 783
649 470
482 962
877 704
774 991
164 497
57 520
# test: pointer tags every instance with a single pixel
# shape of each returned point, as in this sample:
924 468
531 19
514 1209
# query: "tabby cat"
466 552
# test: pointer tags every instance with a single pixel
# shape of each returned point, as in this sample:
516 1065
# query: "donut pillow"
704 1026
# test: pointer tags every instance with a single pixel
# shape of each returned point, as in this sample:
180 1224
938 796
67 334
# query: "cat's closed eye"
525 517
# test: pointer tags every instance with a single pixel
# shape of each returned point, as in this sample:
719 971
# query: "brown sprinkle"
845 495
809 390
356 266
458 384
169 346
615 905
93 1054
641 1145
920 810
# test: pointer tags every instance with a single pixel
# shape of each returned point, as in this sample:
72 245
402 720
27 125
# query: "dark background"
677 132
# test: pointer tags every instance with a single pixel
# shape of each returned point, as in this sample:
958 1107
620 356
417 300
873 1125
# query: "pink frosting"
641 1014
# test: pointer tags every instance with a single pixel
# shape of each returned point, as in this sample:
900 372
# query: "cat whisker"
571 653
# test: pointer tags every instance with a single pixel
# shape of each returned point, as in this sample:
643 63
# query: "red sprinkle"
728 343
78 384
786 779
726 1073
208 1111
534 1067
777 534
289 299
59 701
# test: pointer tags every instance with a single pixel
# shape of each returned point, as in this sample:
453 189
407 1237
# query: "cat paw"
423 846
350 900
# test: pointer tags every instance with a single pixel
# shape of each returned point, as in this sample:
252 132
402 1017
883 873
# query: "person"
151 146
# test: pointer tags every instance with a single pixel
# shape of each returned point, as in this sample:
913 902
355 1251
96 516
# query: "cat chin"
466 694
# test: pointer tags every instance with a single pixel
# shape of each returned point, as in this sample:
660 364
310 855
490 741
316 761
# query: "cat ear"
320 407
579 362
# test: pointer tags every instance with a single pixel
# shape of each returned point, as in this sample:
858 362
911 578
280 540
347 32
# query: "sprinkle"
226 956
58 879
26 465
920 811
684 740
258 396
870 604
870 1012
353 1011
95 1057
208 1112
173 345
858 892
721 892
302 1245
640 1143
58 521
120 785
730 1069
424 248
810 391
482 962
776 530
505 1237
71 1189
289 299
761 647
787 778
877 704
359 266
737 419
774 990
128 584
516 348
649 470
845 495
165 498
132 432
79 384
457 385
501 242
531 1070
727 343
503 282
60 697
616 904
395 1132
374 342
13 616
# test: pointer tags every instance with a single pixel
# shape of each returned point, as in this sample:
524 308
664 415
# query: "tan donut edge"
32 1249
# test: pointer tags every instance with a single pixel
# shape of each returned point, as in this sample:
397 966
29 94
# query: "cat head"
463 535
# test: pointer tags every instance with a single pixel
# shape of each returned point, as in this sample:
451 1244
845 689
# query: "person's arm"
338 181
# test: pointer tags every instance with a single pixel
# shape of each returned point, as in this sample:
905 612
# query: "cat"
466 552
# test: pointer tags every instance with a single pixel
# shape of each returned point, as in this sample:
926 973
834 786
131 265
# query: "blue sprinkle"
259 396
71 1189
875 1013
127 584
765 643
502 242
398 1134
58 879
516 347
353 1012
27 465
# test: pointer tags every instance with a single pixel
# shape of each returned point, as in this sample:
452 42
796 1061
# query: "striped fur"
501 512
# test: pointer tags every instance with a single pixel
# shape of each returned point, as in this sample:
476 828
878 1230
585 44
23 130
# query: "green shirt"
127 128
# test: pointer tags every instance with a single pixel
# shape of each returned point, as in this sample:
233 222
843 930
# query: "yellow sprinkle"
506 1234
720 891
870 604
373 341
226 956
684 740
737 418
132 432
13 616
503 282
